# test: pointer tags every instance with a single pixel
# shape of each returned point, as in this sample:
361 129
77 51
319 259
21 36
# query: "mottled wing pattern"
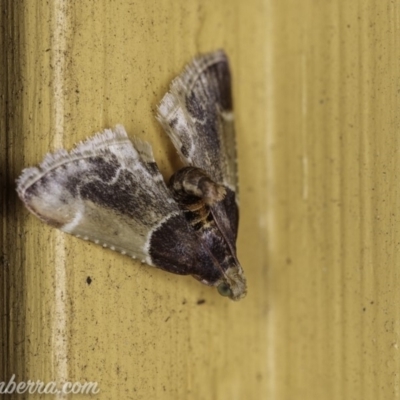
109 190
197 115
106 190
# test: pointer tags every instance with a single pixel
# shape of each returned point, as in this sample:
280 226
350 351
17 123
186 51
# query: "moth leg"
195 192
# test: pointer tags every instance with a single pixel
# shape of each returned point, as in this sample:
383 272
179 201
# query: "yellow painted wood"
333 199
139 332
316 87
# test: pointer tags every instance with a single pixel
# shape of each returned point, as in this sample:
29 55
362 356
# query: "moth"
109 190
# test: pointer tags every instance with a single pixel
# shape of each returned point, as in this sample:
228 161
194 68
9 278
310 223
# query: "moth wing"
197 115
106 190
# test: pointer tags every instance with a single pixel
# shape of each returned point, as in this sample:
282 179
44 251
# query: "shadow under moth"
109 190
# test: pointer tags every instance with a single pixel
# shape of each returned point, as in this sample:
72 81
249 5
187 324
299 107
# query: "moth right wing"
197 115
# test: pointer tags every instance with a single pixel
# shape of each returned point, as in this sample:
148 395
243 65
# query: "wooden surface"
316 92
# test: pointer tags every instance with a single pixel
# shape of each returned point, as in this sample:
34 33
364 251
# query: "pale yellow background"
316 90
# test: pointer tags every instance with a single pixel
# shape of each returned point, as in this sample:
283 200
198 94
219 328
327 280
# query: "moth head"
234 284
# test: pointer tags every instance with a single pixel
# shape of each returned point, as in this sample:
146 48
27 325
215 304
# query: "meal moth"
109 190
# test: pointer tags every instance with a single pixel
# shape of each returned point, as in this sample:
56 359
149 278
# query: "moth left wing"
102 191
197 115
110 191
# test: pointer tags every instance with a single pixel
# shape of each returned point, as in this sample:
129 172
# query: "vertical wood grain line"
367 51
304 111
271 223
59 44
